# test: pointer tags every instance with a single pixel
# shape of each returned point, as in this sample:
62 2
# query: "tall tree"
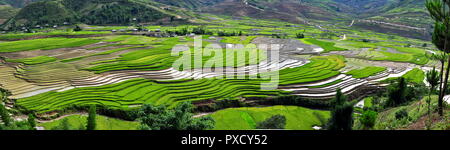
31 121
441 57
439 12
91 123
433 79
397 92
341 114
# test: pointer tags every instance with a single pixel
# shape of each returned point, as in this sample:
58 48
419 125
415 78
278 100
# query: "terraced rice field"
365 72
45 44
415 75
140 91
33 60
122 71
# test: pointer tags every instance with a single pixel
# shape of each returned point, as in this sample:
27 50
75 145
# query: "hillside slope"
191 4
7 12
17 3
96 12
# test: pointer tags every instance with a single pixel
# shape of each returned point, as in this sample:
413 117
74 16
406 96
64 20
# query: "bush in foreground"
368 119
179 118
274 122
91 123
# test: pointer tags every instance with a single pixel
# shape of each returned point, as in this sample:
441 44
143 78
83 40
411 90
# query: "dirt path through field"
202 114
62 117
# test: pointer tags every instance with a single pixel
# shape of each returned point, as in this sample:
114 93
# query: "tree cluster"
179 118
341 114
438 10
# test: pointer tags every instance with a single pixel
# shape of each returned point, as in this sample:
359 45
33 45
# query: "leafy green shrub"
402 113
233 33
201 31
4 115
77 28
397 92
368 118
274 122
31 120
179 118
300 35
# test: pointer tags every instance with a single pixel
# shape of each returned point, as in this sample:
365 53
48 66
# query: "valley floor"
52 75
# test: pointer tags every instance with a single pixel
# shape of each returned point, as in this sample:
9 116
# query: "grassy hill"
17 3
97 12
191 4
7 12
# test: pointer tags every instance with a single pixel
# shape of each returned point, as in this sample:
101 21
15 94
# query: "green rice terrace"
57 73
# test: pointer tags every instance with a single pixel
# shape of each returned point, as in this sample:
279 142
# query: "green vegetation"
144 91
365 72
32 120
394 118
440 39
368 102
44 44
368 118
398 92
419 59
78 122
34 60
327 84
274 122
89 12
101 53
125 51
51 33
416 75
238 39
433 78
327 46
179 118
8 123
341 114
297 118
7 11
4 115
91 121
158 58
